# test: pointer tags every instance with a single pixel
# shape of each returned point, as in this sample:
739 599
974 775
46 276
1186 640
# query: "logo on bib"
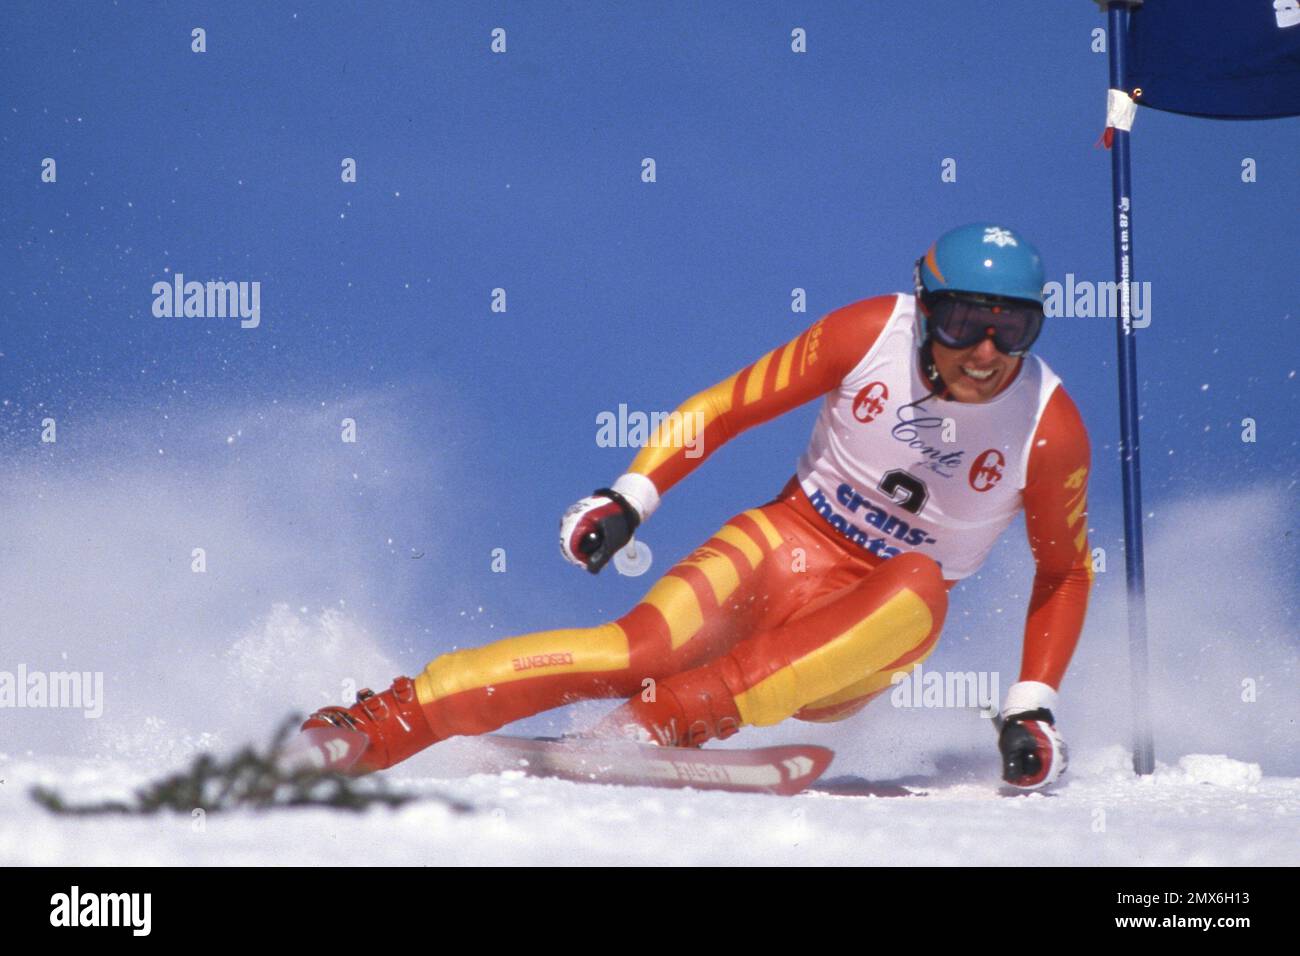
986 470
919 431
870 402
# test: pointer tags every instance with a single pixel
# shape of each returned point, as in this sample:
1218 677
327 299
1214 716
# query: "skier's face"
977 373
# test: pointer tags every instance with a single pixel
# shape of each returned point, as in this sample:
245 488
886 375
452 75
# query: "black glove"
595 527
1033 753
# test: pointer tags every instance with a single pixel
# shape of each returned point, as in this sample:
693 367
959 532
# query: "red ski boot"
689 709
393 721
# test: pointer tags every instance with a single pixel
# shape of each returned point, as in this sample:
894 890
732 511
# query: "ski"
323 749
784 770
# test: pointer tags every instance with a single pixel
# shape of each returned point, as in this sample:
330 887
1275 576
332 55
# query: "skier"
937 426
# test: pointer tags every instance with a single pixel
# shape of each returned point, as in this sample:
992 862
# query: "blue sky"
522 171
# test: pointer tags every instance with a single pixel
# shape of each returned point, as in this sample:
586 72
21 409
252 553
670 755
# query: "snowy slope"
1205 811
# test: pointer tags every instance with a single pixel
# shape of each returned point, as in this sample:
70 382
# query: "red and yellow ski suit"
778 613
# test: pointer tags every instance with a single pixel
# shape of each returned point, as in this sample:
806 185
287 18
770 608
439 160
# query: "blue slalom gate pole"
1143 747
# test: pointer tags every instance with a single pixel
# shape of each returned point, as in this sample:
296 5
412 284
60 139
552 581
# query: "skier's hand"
595 527
1033 751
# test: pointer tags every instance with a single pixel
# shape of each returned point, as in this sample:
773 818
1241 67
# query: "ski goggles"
960 321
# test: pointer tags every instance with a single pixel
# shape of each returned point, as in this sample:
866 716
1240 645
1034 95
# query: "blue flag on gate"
1228 59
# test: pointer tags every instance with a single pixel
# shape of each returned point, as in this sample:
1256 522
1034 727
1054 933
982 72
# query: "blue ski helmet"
983 259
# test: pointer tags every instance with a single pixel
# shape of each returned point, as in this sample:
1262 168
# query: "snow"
1219 770
1208 810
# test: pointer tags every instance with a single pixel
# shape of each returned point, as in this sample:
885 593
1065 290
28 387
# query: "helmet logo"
1000 237
986 470
870 402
